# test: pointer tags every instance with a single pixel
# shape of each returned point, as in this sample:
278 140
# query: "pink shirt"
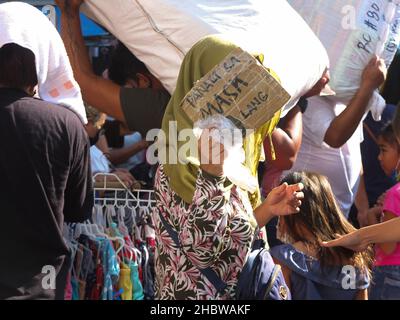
391 204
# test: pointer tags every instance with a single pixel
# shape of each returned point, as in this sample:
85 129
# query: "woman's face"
388 156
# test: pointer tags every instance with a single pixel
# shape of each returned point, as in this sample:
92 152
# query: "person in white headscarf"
23 24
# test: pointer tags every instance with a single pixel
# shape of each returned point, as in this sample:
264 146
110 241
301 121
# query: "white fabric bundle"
352 32
161 32
25 25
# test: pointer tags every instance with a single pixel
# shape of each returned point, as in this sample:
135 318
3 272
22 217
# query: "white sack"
161 32
352 32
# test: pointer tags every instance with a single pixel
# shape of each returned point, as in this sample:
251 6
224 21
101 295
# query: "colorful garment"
392 205
93 284
111 270
96 293
386 273
215 231
68 288
137 288
75 289
125 282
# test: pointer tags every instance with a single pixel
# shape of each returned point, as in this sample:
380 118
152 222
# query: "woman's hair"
124 65
17 67
321 218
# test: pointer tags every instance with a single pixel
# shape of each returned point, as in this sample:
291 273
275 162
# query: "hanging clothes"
113 256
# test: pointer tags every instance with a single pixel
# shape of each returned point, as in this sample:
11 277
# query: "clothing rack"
120 230
106 192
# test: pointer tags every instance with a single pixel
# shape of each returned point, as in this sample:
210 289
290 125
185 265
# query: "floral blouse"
215 231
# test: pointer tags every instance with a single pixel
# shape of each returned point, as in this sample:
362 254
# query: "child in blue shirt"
313 272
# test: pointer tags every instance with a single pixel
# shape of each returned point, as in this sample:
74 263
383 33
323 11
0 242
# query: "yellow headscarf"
201 59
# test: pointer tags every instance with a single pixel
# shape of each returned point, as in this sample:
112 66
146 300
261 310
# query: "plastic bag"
223 131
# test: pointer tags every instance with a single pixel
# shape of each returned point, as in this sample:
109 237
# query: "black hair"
388 135
124 65
322 218
17 67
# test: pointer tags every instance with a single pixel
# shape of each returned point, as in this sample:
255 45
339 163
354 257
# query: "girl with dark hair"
386 273
380 233
311 271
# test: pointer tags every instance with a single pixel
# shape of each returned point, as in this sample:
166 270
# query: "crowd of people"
331 197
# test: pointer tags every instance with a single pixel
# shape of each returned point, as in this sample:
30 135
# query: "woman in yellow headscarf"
202 221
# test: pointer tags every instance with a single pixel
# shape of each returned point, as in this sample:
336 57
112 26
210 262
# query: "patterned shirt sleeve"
207 232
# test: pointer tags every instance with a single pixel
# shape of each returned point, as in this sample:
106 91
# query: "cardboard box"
239 88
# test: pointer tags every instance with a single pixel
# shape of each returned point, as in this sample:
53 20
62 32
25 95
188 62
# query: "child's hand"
381 200
374 215
125 177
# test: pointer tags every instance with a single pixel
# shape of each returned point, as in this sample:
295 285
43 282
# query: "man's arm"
100 93
361 202
286 140
121 155
344 125
360 240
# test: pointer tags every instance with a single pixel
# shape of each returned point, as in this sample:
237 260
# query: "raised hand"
285 199
374 73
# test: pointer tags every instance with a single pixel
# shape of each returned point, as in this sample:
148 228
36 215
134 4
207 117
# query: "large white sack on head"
25 25
352 32
161 32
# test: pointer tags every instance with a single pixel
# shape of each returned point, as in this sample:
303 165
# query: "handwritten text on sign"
374 19
238 88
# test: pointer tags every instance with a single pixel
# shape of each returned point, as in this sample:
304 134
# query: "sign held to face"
239 88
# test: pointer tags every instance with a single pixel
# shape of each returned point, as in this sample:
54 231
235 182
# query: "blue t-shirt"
310 282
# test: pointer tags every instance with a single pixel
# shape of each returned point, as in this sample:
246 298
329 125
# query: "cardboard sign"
239 88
